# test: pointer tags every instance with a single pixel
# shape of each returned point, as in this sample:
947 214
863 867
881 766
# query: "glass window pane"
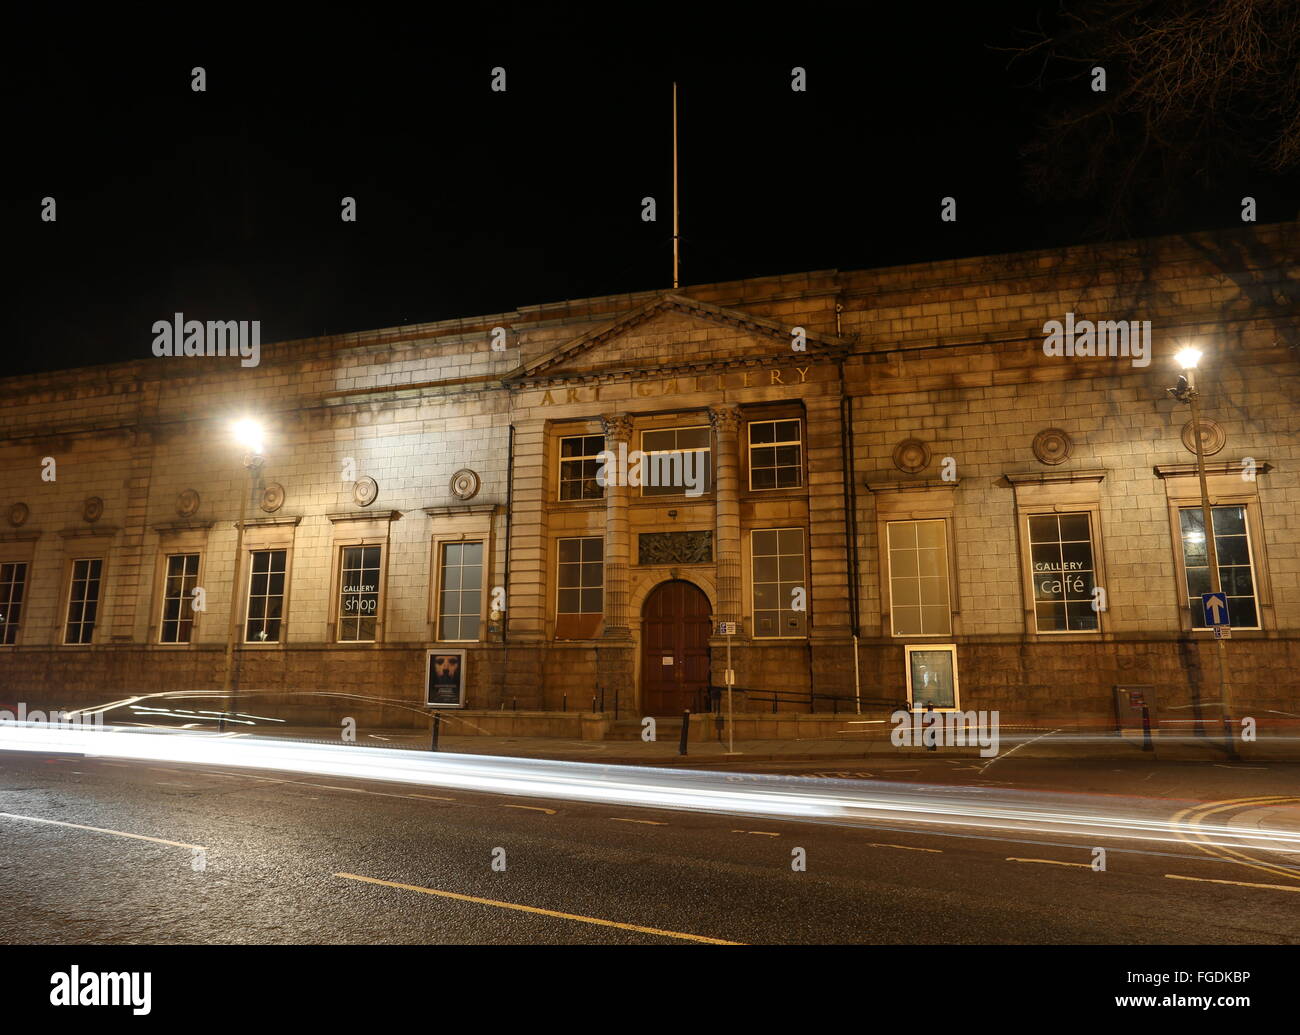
1229 520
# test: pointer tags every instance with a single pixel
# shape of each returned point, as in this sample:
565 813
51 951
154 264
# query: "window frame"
337 617
555 600
807 579
248 595
1093 512
165 560
889 577
709 449
21 622
73 561
561 460
1225 488
484 590
749 453
1185 600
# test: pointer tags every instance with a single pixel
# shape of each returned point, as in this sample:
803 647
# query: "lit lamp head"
248 433
1186 358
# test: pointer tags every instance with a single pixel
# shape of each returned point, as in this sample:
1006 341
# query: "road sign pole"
731 679
1211 556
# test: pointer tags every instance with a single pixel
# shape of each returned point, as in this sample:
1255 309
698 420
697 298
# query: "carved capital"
618 426
725 419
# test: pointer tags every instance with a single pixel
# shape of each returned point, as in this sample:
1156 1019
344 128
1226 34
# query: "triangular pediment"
671 332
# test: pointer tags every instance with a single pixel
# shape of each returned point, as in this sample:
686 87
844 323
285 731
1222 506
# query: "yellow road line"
101 830
1197 813
430 797
763 833
906 848
530 808
647 822
536 910
1049 862
1237 883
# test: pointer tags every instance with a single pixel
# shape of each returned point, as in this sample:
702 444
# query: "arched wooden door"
675 623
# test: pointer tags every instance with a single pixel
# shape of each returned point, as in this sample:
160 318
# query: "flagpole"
676 239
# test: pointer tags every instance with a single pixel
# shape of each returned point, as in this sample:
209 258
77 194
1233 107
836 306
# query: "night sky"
226 204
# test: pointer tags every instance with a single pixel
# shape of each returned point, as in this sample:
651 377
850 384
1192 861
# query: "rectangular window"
177 624
1236 576
676 461
780 592
462 591
359 593
932 676
918 578
580 600
265 596
775 454
13 587
579 466
1063 572
83 601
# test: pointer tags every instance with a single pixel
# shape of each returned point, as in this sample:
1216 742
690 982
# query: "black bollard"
686 732
437 726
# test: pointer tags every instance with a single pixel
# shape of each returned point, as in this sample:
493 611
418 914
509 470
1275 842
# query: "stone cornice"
905 486
463 509
1211 467
1053 477
365 515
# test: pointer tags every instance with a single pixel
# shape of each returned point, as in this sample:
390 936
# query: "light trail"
779 797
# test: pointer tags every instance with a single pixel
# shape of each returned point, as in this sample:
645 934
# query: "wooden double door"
675 626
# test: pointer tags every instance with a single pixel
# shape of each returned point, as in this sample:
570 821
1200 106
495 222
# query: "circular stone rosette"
92 509
272 497
465 484
365 491
187 503
911 456
1213 438
1052 446
18 514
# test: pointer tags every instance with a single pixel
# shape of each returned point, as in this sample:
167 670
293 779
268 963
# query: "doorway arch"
676 620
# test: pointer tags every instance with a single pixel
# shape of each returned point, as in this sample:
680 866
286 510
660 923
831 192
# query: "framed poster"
932 676
444 677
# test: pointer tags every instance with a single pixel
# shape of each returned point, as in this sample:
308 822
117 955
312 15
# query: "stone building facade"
902 498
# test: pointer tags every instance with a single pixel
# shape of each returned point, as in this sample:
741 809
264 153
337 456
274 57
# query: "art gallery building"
903 499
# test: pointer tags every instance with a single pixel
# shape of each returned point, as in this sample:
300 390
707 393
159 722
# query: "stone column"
614 654
726 425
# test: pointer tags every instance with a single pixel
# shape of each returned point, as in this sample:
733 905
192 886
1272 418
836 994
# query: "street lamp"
248 433
1187 358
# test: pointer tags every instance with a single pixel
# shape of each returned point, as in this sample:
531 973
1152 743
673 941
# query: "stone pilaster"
614 654
726 426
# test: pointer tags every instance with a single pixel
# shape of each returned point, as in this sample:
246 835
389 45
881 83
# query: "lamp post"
248 434
1187 359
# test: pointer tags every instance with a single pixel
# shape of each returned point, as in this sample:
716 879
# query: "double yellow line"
1187 826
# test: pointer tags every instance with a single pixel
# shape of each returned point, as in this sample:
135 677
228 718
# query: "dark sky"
226 204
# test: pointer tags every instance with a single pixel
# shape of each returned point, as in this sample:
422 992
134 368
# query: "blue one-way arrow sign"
1215 606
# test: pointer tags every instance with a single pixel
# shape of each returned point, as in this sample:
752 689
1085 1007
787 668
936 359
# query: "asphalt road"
275 849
